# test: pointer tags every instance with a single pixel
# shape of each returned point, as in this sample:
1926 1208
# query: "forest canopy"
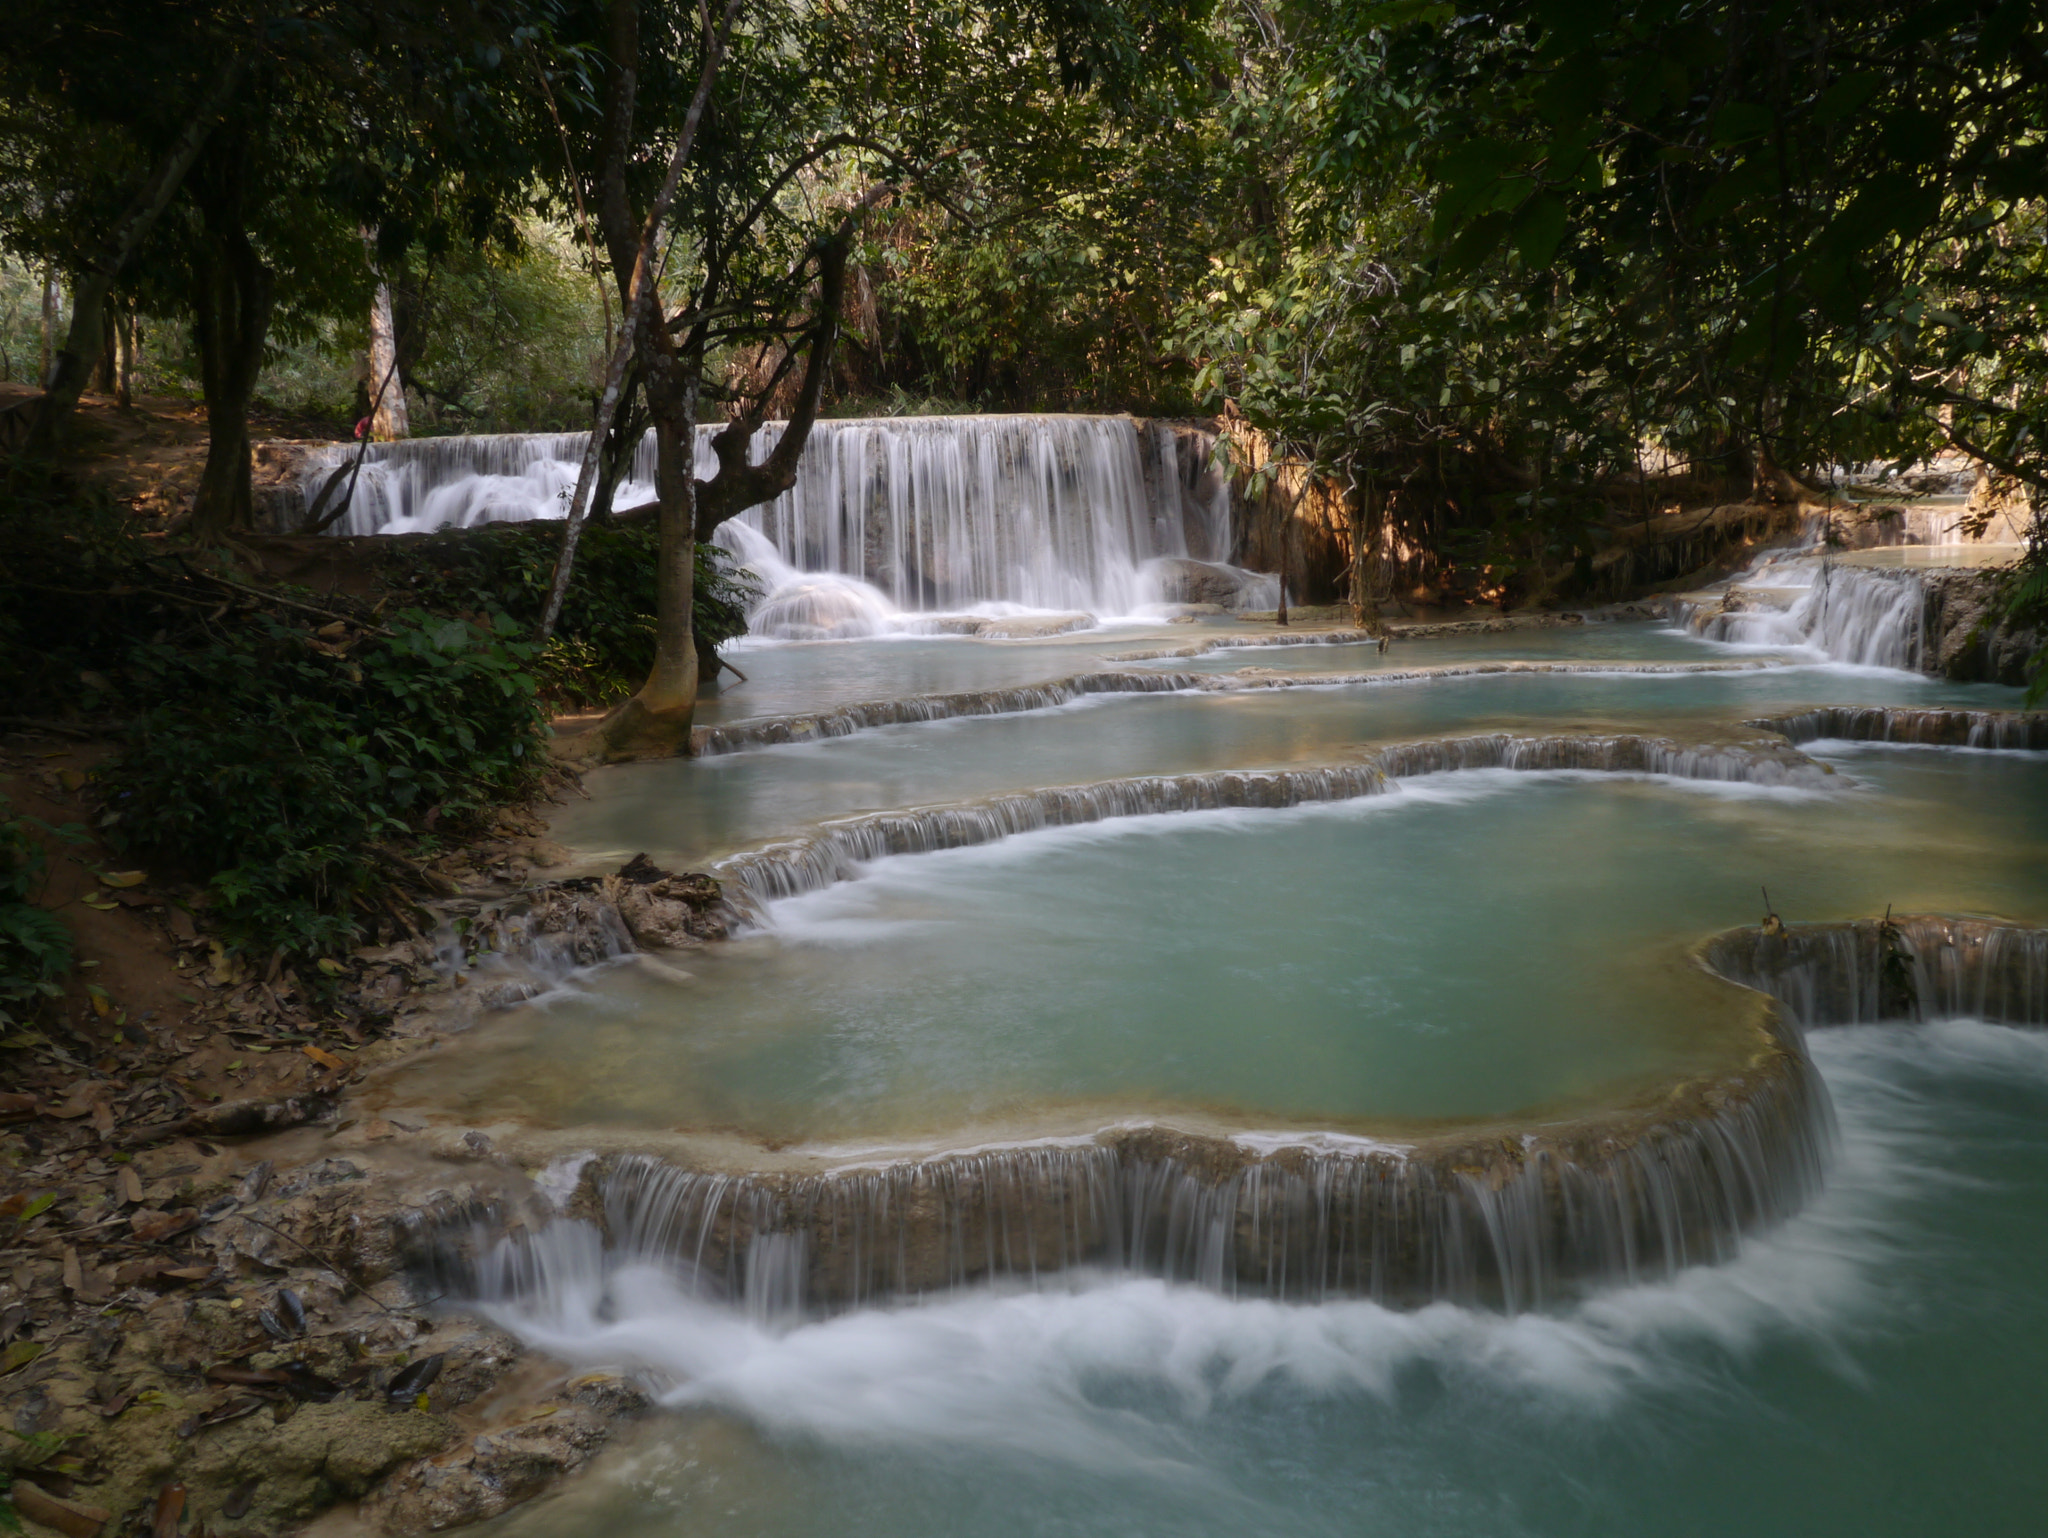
1495 275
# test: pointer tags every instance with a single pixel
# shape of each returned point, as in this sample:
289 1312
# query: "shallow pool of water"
1469 946
1917 557
682 812
1635 641
1472 945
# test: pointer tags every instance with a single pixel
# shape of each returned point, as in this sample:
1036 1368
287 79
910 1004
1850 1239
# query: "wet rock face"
490 1471
667 911
1968 637
1180 580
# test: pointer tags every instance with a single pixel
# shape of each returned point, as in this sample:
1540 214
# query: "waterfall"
1929 968
1869 617
2005 729
889 517
1512 1222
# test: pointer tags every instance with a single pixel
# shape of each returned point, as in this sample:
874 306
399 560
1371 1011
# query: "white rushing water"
890 520
1241 1416
1869 618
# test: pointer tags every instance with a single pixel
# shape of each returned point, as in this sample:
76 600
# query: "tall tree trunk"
231 295
656 720
388 421
643 331
53 299
126 335
109 365
64 375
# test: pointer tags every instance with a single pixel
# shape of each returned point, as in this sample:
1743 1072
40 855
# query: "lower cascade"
1498 1217
1508 1221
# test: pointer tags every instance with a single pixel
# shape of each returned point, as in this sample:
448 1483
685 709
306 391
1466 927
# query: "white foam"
1013 1372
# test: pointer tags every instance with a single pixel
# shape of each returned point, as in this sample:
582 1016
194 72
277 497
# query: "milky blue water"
1475 943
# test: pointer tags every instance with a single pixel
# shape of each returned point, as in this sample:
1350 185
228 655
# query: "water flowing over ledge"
1946 619
1922 967
1246 642
1871 618
835 852
770 731
2008 729
1504 1216
1507 1218
775 731
889 519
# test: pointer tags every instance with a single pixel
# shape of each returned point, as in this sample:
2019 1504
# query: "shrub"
35 949
604 645
279 765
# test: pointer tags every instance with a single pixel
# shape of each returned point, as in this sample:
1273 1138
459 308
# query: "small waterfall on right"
1870 618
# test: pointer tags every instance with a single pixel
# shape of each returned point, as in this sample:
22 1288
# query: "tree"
288 132
1523 242
83 194
817 116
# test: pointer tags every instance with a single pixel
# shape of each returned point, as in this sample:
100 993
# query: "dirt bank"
204 1292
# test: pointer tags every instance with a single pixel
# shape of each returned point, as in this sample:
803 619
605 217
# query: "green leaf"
1741 121
1539 229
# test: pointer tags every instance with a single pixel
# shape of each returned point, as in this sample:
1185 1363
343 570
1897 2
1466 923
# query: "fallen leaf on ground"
124 878
150 1226
70 1518
25 1208
170 1508
85 1283
131 1185
324 1058
19 1355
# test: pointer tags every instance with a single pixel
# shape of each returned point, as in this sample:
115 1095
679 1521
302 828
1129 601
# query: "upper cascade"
891 520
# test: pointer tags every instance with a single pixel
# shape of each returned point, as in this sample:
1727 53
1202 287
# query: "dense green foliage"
1523 258
35 949
295 764
298 764
280 765
604 645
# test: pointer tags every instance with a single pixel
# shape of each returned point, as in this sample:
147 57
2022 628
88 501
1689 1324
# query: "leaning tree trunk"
231 317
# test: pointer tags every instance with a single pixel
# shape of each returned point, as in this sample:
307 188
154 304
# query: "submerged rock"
1179 579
